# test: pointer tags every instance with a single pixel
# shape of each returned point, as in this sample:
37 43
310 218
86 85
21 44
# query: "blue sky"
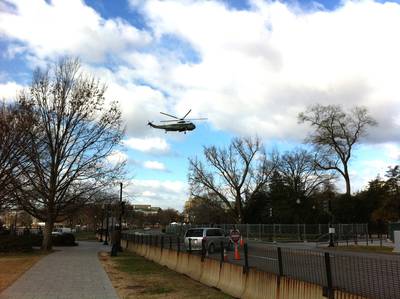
248 66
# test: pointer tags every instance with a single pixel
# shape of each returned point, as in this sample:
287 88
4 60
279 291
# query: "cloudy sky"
248 66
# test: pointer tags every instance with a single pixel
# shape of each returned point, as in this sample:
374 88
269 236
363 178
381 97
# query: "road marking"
263 257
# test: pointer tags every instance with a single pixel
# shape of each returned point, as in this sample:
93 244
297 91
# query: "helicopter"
177 124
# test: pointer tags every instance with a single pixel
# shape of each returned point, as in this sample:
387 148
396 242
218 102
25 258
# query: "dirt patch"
135 277
13 266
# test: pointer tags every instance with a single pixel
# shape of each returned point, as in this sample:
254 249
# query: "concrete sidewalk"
70 272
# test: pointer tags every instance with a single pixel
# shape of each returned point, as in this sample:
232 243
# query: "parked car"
212 237
62 230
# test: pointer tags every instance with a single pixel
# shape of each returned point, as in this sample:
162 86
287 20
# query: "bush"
65 239
12 243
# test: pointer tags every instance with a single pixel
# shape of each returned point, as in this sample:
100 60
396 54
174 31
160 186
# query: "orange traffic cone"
237 254
225 255
241 242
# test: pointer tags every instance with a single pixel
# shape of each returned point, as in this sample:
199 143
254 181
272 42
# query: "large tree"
75 131
13 138
234 174
300 173
335 133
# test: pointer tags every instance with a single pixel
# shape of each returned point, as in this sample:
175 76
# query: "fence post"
178 244
298 232
162 243
259 230
247 231
126 246
190 245
170 242
280 264
222 254
304 233
203 249
246 259
328 290
273 233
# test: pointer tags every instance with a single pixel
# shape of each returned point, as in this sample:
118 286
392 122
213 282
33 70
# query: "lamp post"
102 223
120 218
107 224
331 229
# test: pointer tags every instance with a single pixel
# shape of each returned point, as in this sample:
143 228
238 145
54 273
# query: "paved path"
70 272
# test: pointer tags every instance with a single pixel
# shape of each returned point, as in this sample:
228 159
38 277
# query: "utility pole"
107 206
120 217
331 229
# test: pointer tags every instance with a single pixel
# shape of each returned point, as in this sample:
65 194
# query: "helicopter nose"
193 127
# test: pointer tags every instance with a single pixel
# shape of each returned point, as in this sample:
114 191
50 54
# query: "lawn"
135 277
85 236
13 265
364 248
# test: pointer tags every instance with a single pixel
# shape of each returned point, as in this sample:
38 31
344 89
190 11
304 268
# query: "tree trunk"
347 180
48 229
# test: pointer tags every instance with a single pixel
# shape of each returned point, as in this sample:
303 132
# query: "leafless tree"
335 134
233 174
300 172
75 132
13 138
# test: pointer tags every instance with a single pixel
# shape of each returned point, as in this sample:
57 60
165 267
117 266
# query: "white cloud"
117 157
254 70
67 27
9 90
159 193
261 67
149 145
155 165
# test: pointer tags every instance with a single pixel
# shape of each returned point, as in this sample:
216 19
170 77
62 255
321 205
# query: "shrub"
65 239
12 243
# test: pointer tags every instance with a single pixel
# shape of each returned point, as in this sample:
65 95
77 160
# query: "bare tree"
335 134
233 174
13 138
75 132
300 172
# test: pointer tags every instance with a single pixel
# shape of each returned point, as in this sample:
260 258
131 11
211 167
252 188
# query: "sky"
248 66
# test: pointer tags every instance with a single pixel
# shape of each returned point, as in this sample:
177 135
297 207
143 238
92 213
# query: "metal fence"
371 276
285 232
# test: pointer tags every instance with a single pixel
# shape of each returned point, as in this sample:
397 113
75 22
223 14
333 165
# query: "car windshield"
194 233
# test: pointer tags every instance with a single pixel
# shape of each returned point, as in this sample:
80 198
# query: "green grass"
159 281
364 248
134 264
85 236
158 290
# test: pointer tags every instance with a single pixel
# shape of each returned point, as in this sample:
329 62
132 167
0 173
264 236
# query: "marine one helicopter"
177 124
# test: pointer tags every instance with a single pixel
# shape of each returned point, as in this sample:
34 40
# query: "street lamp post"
102 223
120 218
107 224
331 229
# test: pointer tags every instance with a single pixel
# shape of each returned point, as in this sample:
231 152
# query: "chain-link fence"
285 232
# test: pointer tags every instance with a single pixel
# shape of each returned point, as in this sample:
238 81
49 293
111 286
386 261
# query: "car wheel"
211 248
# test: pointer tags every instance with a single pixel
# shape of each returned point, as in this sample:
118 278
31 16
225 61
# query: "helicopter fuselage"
177 127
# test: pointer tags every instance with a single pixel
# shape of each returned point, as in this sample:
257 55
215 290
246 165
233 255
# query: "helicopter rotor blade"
168 121
186 114
189 119
169 115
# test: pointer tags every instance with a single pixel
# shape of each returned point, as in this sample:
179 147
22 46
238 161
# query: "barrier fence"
284 232
360 274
